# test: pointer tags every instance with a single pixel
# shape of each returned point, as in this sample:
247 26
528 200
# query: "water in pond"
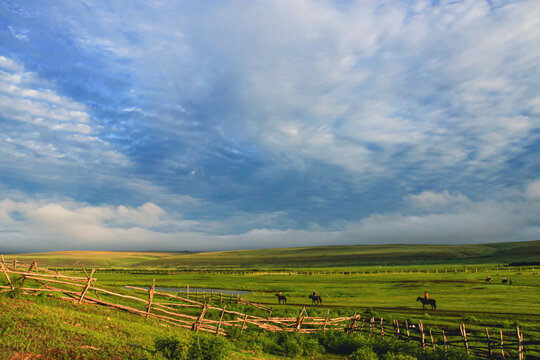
200 290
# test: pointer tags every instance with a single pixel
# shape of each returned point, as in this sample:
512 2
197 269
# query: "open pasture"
456 293
389 291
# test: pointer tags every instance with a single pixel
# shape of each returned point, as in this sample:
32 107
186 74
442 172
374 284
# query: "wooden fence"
207 316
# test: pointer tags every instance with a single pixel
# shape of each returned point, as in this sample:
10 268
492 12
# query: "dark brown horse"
315 299
281 298
427 302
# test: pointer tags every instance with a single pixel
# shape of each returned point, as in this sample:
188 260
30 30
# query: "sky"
220 125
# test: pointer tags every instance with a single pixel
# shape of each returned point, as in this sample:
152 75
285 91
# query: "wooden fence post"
463 331
407 326
14 264
244 323
371 324
502 343
197 324
4 267
349 328
432 342
520 343
300 319
28 271
490 352
423 335
445 342
382 328
150 297
220 319
326 320
187 291
88 283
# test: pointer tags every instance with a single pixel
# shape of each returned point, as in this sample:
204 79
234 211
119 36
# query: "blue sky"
184 125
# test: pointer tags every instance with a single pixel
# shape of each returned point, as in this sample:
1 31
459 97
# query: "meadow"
454 276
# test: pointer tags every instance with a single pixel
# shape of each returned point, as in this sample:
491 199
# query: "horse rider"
314 293
426 295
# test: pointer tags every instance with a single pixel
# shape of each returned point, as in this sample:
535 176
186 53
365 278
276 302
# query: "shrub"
171 347
289 344
339 342
363 353
208 348
199 348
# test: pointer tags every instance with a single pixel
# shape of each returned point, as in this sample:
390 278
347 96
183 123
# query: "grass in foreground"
49 328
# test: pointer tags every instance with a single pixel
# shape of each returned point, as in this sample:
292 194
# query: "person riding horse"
281 298
315 299
426 301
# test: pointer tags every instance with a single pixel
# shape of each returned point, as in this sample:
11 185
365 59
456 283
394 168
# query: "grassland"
307 257
387 279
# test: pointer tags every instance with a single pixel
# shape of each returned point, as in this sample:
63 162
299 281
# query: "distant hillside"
317 256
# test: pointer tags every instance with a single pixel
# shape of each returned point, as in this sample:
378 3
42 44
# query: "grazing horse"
504 280
281 298
315 299
427 302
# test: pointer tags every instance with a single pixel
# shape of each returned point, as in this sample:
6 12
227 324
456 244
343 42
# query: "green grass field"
307 257
359 281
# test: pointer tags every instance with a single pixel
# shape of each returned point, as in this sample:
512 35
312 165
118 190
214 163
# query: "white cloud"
45 225
23 98
533 190
429 200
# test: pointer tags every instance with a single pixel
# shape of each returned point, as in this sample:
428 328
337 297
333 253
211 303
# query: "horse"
427 302
315 299
504 280
281 298
488 279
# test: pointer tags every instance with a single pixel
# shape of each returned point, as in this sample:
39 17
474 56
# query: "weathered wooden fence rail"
189 313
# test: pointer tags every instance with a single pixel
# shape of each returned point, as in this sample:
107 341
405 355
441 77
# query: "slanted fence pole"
432 342
350 327
220 320
29 269
88 283
244 323
197 324
520 343
490 352
464 337
4 267
423 335
445 342
326 320
502 343
407 326
150 297
300 319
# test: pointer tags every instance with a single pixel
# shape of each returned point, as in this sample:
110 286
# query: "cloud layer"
228 124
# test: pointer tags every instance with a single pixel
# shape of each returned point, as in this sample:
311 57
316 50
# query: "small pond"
200 290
